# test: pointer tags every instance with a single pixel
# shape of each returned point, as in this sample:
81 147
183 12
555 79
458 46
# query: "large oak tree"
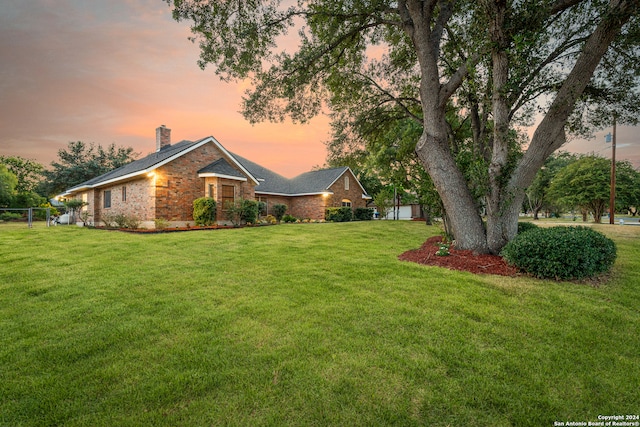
495 63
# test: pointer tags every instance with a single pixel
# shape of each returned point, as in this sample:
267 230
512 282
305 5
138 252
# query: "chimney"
163 137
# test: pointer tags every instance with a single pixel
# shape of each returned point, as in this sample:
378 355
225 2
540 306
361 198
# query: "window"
211 190
85 198
228 195
346 202
124 193
346 183
107 198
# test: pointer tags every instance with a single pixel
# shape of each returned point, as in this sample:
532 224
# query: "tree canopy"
8 183
80 162
487 66
585 183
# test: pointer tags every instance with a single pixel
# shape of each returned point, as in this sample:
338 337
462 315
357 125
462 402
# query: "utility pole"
612 199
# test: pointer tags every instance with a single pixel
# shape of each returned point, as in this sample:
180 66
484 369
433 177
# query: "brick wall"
311 207
354 193
178 185
138 202
275 200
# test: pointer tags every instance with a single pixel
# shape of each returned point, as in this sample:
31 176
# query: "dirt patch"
459 259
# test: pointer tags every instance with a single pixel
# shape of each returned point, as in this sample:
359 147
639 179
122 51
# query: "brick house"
164 184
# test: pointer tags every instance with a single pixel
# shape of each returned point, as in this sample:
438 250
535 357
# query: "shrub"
526 226
289 218
342 214
249 212
278 211
125 221
10 216
161 223
363 214
204 211
561 252
108 220
270 219
262 208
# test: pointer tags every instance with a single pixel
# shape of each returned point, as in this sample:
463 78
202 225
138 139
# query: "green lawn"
305 324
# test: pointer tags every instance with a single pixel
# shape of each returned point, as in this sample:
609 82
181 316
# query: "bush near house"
342 214
363 214
289 218
278 211
204 211
249 211
561 252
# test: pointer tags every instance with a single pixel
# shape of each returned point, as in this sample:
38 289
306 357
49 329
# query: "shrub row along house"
164 184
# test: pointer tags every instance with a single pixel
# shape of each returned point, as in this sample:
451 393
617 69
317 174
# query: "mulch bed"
459 259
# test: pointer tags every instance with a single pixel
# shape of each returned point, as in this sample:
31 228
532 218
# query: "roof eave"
219 175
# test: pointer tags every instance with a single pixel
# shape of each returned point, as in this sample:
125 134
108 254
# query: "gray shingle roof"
140 164
313 182
222 167
269 182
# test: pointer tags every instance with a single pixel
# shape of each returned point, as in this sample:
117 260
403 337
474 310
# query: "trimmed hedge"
561 252
342 214
363 214
526 226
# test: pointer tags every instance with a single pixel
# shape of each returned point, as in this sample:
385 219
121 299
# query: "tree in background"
8 183
28 172
538 192
81 162
29 175
384 200
585 183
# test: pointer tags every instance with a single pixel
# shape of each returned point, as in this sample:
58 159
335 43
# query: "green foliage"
74 204
339 214
249 213
204 211
585 184
363 214
289 218
526 226
81 162
10 216
561 252
384 201
8 182
161 223
262 208
126 221
120 221
28 172
278 211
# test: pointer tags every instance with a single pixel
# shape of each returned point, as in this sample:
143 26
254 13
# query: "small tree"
383 201
278 211
73 205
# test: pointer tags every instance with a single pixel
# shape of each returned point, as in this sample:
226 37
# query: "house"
164 184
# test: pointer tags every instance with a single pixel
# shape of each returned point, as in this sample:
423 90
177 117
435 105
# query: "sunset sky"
112 71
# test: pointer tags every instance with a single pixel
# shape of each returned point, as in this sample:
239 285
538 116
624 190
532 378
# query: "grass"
306 324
